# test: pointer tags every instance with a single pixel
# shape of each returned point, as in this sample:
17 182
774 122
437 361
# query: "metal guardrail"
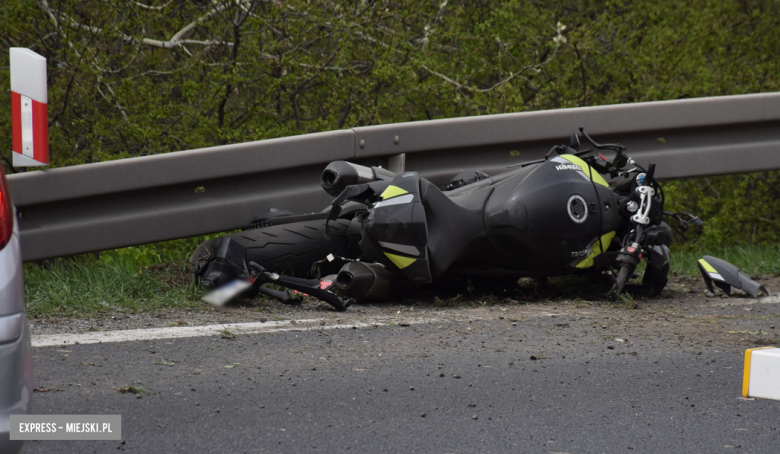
93 207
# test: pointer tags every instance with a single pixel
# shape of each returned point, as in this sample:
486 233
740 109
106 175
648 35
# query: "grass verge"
127 280
83 290
751 260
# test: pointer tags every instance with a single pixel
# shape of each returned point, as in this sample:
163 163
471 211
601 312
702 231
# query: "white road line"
746 301
53 340
770 299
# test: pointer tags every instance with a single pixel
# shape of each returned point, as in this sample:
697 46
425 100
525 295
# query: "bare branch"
189 27
479 90
535 67
175 41
428 28
56 116
155 8
332 68
115 102
206 42
44 6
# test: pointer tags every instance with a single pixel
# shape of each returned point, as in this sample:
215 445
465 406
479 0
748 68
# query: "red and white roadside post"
29 116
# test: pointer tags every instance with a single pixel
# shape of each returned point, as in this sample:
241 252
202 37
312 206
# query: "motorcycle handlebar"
650 172
606 146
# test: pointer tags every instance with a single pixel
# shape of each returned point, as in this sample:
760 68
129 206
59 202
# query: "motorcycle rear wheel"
288 249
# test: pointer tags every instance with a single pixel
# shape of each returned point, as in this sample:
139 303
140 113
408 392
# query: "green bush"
736 209
120 85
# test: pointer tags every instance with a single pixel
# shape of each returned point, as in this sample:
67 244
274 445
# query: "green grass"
750 259
144 278
150 278
81 290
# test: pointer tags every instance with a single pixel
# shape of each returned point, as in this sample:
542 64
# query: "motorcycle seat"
453 222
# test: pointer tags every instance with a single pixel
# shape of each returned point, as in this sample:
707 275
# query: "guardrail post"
397 163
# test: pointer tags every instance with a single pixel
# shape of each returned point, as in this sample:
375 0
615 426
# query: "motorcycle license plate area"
227 292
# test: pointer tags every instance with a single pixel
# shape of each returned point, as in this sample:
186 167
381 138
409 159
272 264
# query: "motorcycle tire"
654 281
288 249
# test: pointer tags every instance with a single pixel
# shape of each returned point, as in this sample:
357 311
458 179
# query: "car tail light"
6 213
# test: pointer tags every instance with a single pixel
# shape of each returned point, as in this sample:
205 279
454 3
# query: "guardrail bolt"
362 143
396 139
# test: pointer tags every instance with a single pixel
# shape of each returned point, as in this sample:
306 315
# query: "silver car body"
16 386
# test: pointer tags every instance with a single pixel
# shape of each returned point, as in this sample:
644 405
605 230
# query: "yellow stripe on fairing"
400 262
746 373
595 250
707 267
592 173
393 191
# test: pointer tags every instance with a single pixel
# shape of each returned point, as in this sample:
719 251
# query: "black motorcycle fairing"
555 212
396 232
725 275
452 227
514 222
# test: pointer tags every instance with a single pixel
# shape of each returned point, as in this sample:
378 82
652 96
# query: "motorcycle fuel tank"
558 211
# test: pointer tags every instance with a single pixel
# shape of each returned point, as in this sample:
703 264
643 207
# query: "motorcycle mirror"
574 141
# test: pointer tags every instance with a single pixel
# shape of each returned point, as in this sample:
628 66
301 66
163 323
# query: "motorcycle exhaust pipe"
340 174
364 280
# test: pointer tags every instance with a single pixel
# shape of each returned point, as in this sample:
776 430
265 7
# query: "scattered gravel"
684 302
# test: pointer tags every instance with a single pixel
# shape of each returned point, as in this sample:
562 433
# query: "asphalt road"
483 383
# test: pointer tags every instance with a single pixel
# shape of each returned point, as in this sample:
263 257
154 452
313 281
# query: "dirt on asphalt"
683 312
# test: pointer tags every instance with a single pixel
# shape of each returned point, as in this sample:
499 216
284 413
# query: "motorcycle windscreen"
725 275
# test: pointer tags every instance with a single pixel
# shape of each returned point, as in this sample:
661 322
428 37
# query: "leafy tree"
128 78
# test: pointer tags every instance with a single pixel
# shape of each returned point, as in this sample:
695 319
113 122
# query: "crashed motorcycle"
388 235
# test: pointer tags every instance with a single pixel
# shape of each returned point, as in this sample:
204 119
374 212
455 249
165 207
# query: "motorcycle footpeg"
311 287
283 297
